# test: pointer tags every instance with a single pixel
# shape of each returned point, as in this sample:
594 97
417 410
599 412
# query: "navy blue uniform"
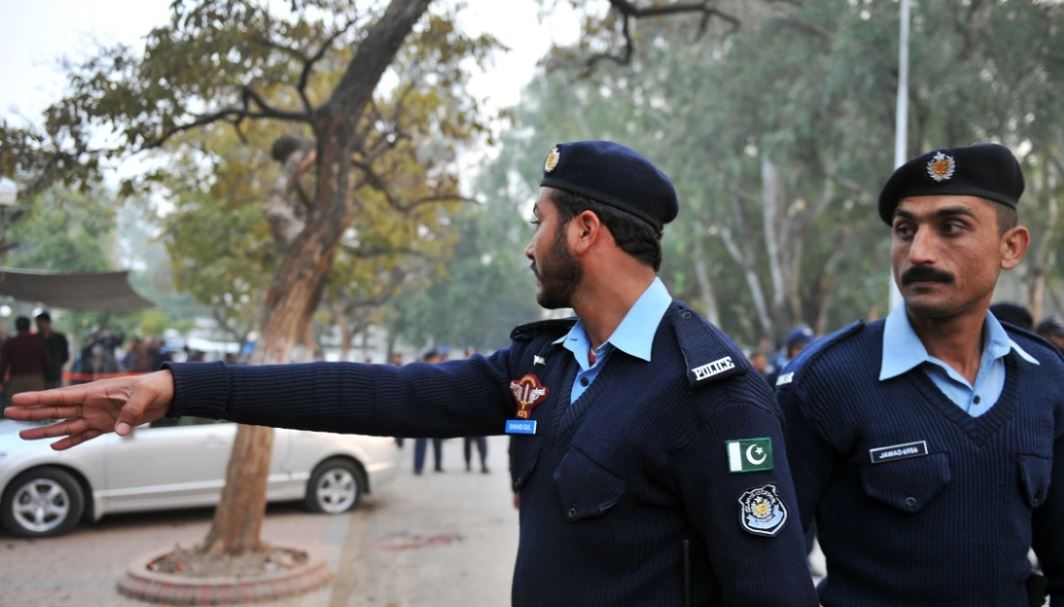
916 502
618 489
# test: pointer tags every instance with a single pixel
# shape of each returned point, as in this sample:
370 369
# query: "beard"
558 275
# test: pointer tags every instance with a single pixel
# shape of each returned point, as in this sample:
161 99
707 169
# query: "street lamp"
8 213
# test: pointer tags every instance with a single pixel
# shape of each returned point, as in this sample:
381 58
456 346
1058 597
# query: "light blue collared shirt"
903 351
634 336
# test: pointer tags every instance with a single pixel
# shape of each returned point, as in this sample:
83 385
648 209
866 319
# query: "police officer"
929 447
648 457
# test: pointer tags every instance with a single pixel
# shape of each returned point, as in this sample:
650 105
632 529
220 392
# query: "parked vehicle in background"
176 463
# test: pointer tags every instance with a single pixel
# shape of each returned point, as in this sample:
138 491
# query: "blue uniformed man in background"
648 457
929 447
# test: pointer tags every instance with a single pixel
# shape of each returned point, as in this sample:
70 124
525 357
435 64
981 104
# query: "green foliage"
809 88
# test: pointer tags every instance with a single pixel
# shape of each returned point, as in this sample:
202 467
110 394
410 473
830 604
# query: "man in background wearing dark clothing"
58 350
25 358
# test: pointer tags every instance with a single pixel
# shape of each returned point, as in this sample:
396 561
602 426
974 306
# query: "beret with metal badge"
986 170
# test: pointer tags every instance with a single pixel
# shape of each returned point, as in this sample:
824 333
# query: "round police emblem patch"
552 159
762 512
941 166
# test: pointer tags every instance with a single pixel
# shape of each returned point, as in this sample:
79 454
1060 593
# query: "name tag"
892 453
520 426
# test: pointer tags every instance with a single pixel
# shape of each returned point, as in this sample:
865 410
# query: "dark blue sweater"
946 522
613 487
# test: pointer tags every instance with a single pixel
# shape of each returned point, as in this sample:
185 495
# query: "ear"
585 229
1014 245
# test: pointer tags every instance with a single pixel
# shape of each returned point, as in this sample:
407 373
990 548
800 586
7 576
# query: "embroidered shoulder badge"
749 454
762 512
785 378
941 166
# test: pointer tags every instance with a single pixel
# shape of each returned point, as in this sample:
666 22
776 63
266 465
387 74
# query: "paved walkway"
440 539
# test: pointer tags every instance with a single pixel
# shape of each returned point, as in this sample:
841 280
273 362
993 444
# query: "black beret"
986 170
612 174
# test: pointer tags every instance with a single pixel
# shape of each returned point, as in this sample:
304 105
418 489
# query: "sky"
35 35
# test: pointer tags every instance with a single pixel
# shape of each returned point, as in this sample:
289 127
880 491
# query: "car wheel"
335 486
42 503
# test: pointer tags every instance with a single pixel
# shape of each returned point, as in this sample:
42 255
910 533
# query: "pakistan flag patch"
749 454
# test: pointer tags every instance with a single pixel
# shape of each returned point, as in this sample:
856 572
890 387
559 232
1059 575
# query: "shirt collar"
903 350
635 334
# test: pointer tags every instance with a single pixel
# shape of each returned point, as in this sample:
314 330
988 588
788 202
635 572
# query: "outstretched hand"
89 410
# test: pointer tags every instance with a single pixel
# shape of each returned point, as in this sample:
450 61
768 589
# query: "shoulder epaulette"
708 354
555 326
816 349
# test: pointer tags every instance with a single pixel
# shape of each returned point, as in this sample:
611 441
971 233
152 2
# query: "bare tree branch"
308 64
629 11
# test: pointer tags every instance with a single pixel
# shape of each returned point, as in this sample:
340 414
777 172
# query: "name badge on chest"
892 453
529 393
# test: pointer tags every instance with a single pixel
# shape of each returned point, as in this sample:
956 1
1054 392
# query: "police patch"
762 512
716 367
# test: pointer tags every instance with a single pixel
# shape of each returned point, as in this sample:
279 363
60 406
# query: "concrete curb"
171 589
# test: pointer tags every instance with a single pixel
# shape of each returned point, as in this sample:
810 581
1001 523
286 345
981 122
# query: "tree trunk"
705 284
296 289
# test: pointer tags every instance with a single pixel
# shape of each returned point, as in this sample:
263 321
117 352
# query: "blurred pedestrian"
1013 313
480 441
58 350
1052 330
798 338
431 357
23 360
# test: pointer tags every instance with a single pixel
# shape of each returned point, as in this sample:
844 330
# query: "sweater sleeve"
811 453
742 549
454 398
1048 527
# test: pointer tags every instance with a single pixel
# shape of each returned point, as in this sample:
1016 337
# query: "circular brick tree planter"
308 572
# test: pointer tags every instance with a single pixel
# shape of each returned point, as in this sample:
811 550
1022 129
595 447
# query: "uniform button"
572 513
584 381
976 399
685 314
910 502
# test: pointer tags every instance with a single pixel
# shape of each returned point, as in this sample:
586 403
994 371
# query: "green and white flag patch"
749 454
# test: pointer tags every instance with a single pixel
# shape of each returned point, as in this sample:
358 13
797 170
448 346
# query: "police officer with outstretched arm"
929 446
649 458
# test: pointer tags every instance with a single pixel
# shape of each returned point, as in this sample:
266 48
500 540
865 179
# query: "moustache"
923 273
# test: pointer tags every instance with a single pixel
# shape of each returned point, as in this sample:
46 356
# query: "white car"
176 463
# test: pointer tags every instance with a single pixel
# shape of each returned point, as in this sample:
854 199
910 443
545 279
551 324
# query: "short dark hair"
22 324
633 235
45 316
1007 217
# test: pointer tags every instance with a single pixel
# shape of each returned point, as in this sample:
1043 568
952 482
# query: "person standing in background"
23 361
58 350
480 441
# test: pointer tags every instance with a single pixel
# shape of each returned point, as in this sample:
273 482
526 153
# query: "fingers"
73 426
75 439
31 414
59 396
